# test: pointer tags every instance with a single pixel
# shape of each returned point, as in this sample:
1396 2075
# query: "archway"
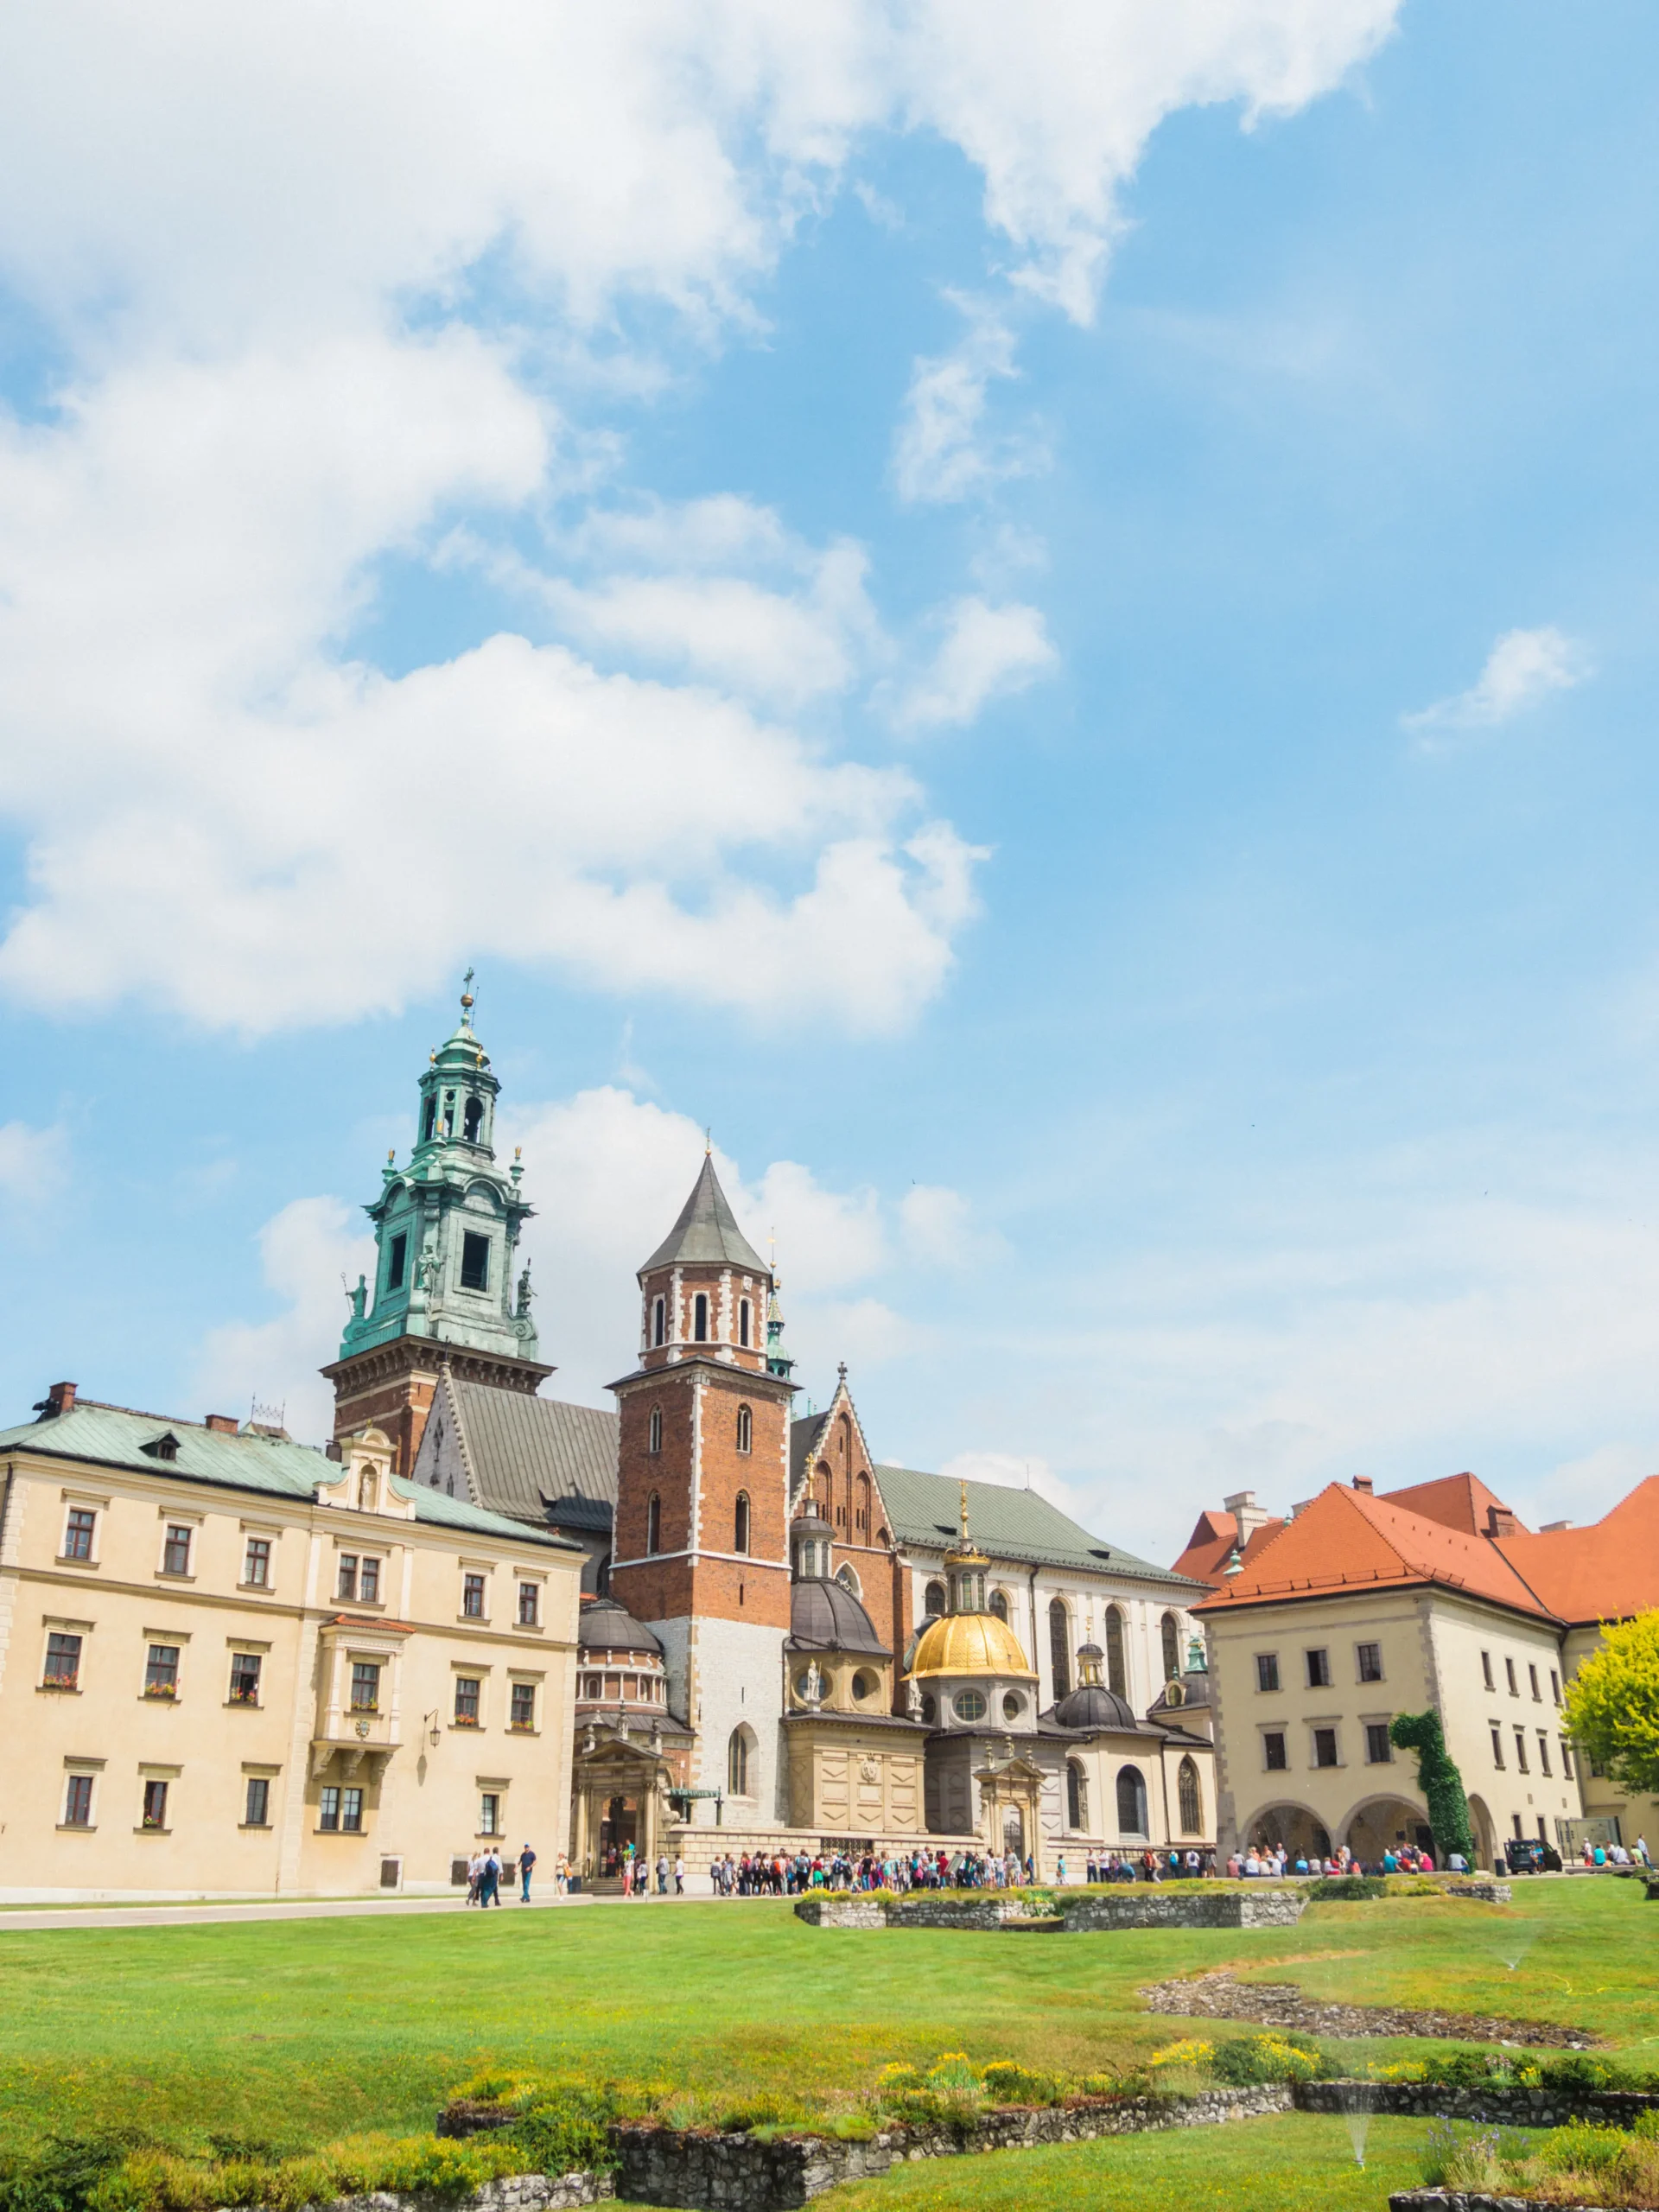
1384 1824
1131 1803
1302 1834
1013 1832
1485 1835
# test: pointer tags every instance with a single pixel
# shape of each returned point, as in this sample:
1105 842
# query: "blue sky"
1048 623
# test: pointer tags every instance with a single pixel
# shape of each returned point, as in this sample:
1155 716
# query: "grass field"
287 2035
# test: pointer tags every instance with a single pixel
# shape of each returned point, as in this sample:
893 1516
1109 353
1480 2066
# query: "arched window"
603 1578
737 1763
659 1322
430 1121
654 1523
700 1319
1060 1646
1000 1604
740 1522
1187 1791
1117 1674
862 1523
475 1119
745 1429
849 1580
1172 1649
656 1429
743 1321
933 1599
1131 1801
449 1113
1077 1797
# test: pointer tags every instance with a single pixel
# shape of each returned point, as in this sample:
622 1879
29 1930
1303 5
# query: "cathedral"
783 1642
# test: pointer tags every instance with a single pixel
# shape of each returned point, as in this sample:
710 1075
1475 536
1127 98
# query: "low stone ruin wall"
1156 1907
1501 2106
1457 2200
519 2193
836 1909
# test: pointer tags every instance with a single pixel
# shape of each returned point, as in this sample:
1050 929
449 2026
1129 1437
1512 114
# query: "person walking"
526 1868
661 1874
679 1875
474 1876
489 1880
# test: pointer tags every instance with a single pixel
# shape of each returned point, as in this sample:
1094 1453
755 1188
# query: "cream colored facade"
1494 1676
230 1665
853 1769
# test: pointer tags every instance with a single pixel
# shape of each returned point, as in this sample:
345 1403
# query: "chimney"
1554 1528
222 1424
1248 1515
1500 1521
59 1399
1364 1485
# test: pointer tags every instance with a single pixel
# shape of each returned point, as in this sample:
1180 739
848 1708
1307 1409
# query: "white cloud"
939 1229
304 1252
986 652
1523 667
34 1164
942 450
1010 1470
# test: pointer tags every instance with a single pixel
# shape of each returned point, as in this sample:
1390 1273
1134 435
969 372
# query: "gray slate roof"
114 1436
524 1454
1007 1523
707 1232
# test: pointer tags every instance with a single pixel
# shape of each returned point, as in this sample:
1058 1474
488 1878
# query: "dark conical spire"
706 1233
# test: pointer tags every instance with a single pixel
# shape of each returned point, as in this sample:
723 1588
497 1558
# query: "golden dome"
970 1643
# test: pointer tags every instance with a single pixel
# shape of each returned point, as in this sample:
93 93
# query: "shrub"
1006 2083
1347 1889
61 2174
1247 2060
1465 2070
1578 2073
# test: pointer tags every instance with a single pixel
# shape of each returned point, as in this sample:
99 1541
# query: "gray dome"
826 1616
1092 1706
607 1626
1194 1691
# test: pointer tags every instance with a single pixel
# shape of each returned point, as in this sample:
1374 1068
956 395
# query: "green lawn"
289 2034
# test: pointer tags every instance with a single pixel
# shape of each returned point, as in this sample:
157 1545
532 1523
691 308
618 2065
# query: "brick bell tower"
701 1549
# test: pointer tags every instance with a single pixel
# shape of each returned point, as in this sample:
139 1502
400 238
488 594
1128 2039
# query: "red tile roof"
1606 1572
1211 1546
1349 1539
1455 1501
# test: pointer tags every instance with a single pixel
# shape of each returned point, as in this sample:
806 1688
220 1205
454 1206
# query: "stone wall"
519 2193
837 1910
1499 2104
1157 1907
1457 2200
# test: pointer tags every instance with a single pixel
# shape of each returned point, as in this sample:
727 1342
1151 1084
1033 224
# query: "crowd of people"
1272 1860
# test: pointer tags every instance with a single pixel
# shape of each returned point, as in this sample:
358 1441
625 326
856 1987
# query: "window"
700 1319
737 1763
1319 1670
745 1431
1272 1747
1515 1822
474 1261
1189 1799
1059 1647
346 1579
1117 1674
530 1605
1371 1662
934 1600
365 1686
1514 1687
396 1261
473 1120
1532 1678
430 1121
176 1552
1131 1801
1325 1747
656 1429
659 1328
1172 1629
1498 1747
77 1533
1543 1752
1267 1670
162 1671
256 1563
1521 1749
1486 1670
78 1802
256 1810
970 1705
743 1321
466 1693
1554 1687
862 1515
340 1811
1077 1797
368 1586
1379 1749
654 1522
489 1813
1012 1704
62 1663
244 1678
154 1813
472 1597
740 1522
1566 1759
523 1705
1000 1604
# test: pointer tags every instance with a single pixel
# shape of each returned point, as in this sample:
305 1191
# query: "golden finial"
392 1156
708 1142
964 1513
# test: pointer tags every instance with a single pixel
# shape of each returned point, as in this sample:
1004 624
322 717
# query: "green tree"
1612 1704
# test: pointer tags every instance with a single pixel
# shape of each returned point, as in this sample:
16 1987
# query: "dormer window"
659 1321
162 1447
474 1120
700 1319
397 1260
474 1262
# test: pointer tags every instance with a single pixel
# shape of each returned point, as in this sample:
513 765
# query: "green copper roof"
706 1233
114 1436
1009 1523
